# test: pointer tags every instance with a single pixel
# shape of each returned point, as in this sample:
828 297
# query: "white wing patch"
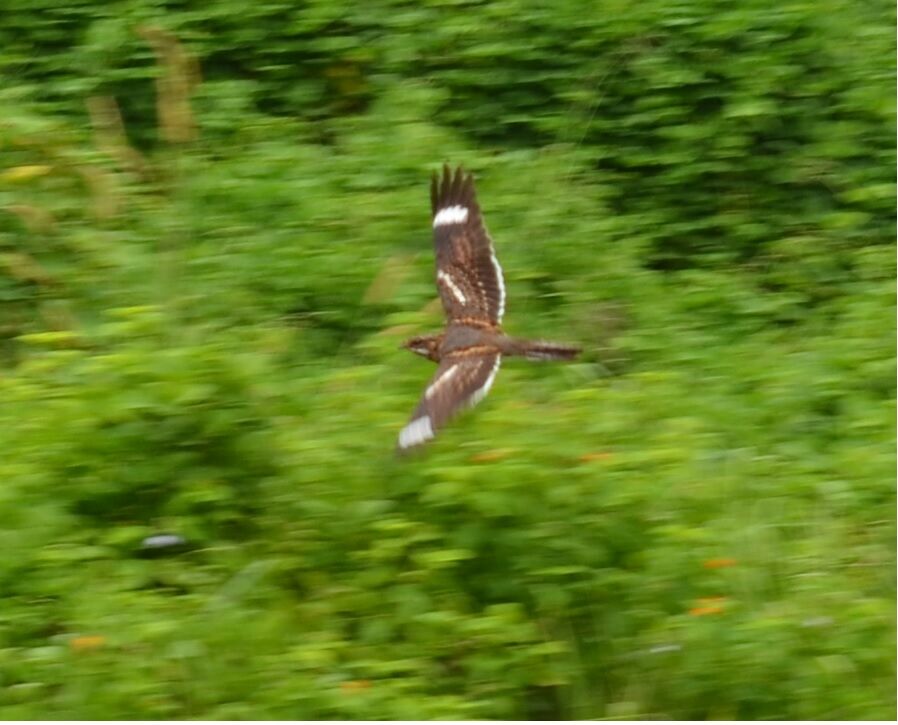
481 392
501 282
418 431
450 283
440 381
451 215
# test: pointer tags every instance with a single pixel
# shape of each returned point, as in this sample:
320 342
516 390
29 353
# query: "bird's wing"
461 380
469 277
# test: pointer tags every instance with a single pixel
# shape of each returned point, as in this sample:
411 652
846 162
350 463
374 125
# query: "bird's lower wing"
461 380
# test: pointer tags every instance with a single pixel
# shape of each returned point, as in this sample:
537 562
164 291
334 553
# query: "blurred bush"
717 128
213 237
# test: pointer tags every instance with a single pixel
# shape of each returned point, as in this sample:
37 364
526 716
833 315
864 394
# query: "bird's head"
427 346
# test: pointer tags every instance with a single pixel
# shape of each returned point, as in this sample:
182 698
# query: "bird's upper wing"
469 277
461 380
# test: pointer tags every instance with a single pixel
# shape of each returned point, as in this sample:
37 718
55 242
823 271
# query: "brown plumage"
472 290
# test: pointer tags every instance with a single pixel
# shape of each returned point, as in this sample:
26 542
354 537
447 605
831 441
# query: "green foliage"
749 108
199 338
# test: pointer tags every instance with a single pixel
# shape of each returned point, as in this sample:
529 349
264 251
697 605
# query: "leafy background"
213 237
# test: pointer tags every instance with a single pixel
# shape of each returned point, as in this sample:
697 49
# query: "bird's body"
460 338
472 289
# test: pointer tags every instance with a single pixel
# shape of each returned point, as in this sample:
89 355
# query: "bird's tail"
541 350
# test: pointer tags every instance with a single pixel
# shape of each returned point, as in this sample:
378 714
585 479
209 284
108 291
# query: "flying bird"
469 279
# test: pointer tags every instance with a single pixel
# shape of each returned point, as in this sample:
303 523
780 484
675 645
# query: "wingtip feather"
418 431
452 187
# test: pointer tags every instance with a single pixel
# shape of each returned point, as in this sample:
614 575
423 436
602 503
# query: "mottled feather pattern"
461 380
469 277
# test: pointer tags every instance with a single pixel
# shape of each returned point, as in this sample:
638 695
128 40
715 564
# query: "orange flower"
597 456
720 563
707 605
497 454
355 685
87 642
